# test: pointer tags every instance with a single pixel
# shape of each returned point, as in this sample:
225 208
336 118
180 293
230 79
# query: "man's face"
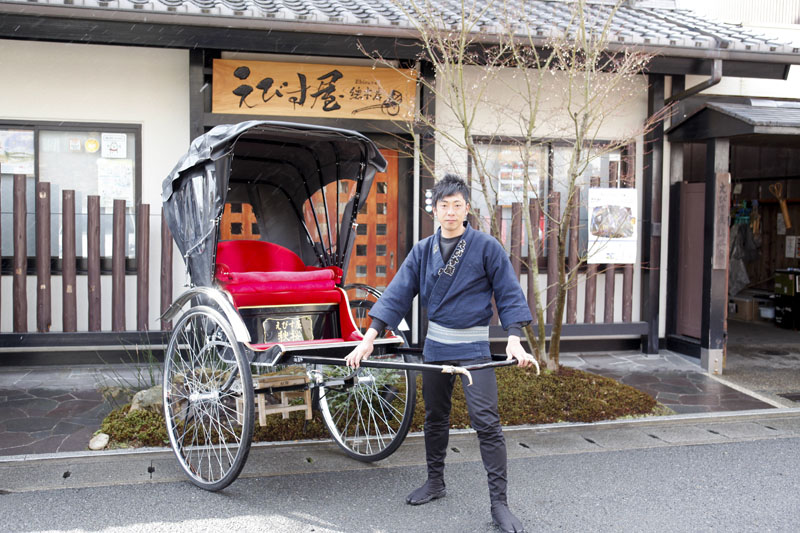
451 211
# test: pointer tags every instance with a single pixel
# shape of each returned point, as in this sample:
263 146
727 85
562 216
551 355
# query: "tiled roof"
762 112
651 23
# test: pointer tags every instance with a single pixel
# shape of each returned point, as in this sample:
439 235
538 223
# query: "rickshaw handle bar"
497 361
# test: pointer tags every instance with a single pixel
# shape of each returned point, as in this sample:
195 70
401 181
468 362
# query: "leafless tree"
516 83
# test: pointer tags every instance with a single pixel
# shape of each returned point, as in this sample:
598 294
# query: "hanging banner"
312 90
613 226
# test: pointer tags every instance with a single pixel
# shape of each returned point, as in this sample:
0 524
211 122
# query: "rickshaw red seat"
260 256
260 273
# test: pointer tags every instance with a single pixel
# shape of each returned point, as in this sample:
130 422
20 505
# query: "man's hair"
449 185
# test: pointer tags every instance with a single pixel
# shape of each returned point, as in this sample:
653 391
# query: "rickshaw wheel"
208 398
368 412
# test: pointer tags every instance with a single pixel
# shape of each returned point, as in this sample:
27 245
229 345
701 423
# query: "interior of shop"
764 272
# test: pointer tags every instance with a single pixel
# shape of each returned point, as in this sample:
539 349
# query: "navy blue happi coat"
458 295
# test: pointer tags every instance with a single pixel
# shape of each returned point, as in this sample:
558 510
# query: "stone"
117 396
149 399
99 441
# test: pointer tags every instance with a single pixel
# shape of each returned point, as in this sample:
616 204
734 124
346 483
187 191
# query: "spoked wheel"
208 398
367 412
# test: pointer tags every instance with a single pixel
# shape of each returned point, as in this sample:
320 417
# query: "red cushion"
257 299
277 286
259 256
269 277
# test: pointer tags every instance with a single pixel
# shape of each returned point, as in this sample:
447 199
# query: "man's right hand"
363 350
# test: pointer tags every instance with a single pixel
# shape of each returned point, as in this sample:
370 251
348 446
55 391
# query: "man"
456 272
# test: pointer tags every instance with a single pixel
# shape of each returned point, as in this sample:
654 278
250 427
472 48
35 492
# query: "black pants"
481 399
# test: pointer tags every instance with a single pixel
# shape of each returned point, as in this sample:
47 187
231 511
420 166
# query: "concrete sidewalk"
49 409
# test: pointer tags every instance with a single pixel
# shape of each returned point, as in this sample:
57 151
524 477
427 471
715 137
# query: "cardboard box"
741 309
786 282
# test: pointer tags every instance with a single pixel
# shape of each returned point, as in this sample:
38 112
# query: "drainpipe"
716 77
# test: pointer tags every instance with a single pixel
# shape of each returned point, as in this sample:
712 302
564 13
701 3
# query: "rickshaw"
267 321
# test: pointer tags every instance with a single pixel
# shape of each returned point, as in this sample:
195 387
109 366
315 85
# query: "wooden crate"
263 409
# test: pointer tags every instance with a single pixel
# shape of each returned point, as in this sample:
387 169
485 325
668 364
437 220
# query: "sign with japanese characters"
312 90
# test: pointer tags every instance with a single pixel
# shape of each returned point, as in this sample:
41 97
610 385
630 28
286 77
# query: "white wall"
89 83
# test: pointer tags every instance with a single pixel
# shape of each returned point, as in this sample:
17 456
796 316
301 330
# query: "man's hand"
363 350
514 350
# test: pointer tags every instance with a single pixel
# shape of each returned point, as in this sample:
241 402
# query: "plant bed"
567 395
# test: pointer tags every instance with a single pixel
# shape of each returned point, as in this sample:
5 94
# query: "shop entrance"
762 326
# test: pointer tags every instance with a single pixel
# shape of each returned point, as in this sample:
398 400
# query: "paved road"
739 473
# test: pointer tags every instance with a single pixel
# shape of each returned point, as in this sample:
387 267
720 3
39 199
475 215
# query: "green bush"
567 395
139 428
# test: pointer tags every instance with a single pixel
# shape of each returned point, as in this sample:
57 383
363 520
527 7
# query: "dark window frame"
56 267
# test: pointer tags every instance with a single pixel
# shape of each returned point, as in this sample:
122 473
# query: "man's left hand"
514 350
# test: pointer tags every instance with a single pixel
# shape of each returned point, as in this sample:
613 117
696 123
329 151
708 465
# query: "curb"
683 419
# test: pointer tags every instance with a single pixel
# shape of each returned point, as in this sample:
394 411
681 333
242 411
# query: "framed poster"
613 226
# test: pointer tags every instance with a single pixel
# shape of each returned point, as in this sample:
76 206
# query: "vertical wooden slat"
532 297
554 215
118 267
611 270
498 217
628 180
93 261
43 302
627 293
608 309
166 271
516 238
20 291
142 266
572 261
68 275
590 294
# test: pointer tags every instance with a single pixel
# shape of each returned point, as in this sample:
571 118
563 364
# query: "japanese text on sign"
298 89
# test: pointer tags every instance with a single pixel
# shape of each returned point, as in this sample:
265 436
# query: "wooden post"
590 294
43 303
68 270
118 267
532 296
142 266
554 210
93 261
572 261
628 181
516 238
498 216
166 271
608 309
20 291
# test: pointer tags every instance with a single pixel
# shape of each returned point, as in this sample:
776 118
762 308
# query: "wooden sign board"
312 90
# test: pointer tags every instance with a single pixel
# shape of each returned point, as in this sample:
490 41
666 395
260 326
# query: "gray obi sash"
445 335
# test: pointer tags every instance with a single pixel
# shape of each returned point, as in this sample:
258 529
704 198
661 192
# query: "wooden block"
262 409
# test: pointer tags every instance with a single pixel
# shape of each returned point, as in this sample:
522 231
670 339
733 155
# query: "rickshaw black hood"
297 159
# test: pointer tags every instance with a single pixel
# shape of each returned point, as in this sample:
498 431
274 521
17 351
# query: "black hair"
449 185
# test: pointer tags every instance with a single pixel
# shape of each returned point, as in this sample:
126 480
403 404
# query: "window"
361 250
90 159
380 250
380 229
382 187
547 166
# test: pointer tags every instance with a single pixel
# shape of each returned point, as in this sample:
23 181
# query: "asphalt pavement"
724 472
